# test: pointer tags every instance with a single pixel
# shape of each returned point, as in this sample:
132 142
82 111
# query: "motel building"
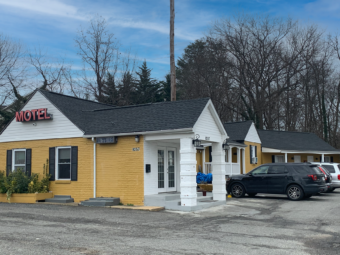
143 154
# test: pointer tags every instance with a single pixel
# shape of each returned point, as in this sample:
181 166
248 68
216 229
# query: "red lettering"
47 117
41 114
28 115
19 116
34 113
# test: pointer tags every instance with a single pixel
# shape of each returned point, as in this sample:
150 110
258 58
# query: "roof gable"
252 135
59 127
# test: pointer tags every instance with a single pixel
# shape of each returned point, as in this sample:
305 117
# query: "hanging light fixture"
197 142
137 138
225 145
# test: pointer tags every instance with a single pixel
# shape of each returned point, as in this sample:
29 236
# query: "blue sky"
143 26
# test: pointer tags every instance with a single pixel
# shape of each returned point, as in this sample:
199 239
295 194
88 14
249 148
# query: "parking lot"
267 224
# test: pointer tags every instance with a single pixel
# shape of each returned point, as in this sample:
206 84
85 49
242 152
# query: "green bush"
18 182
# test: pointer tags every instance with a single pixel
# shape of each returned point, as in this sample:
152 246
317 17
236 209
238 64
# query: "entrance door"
166 169
297 159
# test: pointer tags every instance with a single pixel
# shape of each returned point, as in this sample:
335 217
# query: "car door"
277 179
256 181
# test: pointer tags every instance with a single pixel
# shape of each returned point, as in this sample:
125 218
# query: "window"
329 168
277 170
279 159
63 163
260 170
327 159
19 159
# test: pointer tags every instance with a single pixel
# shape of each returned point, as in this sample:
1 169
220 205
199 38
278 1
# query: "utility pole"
172 50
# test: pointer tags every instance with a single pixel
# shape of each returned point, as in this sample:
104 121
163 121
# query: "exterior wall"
120 170
252 135
199 159
59 127
248 165
206 126
267 157
207 154
150 157
79 190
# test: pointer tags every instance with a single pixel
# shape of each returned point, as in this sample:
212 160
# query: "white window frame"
57 162
13 159
283 157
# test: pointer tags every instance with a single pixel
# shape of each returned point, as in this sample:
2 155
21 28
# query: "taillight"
314 177
338 176
323 172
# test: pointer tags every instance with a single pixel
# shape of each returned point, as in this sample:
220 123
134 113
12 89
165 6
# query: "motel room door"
166 169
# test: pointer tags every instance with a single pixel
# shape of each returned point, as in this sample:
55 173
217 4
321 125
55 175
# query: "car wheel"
237 190
252 194
295 193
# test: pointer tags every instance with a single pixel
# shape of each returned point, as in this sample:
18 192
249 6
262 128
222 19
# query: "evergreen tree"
147 90
110 92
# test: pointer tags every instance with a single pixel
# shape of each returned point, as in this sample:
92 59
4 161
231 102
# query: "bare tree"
99 52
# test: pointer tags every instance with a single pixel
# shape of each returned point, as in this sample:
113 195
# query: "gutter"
140 133
94 167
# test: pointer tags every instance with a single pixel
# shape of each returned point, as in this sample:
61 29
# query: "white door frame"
166 169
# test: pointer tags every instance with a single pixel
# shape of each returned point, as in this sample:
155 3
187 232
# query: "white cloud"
324 6
46 7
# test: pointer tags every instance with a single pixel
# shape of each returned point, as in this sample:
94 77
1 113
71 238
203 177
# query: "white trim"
57 162
141 133
94 167
252 135
13 159
271 150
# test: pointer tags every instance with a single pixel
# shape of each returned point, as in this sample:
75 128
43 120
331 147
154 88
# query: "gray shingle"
300 141
237 131
95 118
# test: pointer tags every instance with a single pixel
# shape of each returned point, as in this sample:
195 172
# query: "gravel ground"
267 224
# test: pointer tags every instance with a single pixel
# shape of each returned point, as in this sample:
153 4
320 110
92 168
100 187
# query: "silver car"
334 170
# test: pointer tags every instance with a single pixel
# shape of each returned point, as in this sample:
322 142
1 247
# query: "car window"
260 170
307 170
329 168
277 170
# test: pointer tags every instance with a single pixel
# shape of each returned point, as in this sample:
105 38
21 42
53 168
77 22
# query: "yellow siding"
248 165
199 159
234 155
207 154
120 171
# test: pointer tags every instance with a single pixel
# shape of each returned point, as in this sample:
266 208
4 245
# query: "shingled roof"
299 141
96 118
237 131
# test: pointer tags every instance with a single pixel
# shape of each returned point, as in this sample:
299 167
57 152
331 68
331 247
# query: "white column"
286 158
244 161
322 157
239 159
218 168
188 173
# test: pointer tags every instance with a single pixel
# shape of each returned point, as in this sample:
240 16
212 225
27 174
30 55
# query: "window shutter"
331 159
251 153
28 162
210 156
9 162
255 151
273 158
52 163
74 163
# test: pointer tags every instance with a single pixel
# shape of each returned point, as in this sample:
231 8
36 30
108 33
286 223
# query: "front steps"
60 199
172 201
101 201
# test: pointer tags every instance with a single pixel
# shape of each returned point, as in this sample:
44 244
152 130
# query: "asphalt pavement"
266 224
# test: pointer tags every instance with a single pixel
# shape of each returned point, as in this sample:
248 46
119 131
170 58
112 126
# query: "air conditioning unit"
254 160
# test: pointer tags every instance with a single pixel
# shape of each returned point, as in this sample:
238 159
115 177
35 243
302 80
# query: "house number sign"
136 149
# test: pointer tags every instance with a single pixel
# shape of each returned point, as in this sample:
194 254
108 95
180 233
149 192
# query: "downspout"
94 167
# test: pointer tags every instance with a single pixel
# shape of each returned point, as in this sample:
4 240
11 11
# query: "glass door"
166 169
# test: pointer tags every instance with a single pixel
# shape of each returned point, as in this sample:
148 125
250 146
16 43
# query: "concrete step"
162 198
60 199
101 201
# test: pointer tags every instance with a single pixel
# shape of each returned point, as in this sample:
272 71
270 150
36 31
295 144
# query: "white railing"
207 168
232 169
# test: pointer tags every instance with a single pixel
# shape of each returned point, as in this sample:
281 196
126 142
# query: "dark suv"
297 180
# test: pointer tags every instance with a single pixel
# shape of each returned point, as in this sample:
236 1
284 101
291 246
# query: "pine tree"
147 89
110 92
